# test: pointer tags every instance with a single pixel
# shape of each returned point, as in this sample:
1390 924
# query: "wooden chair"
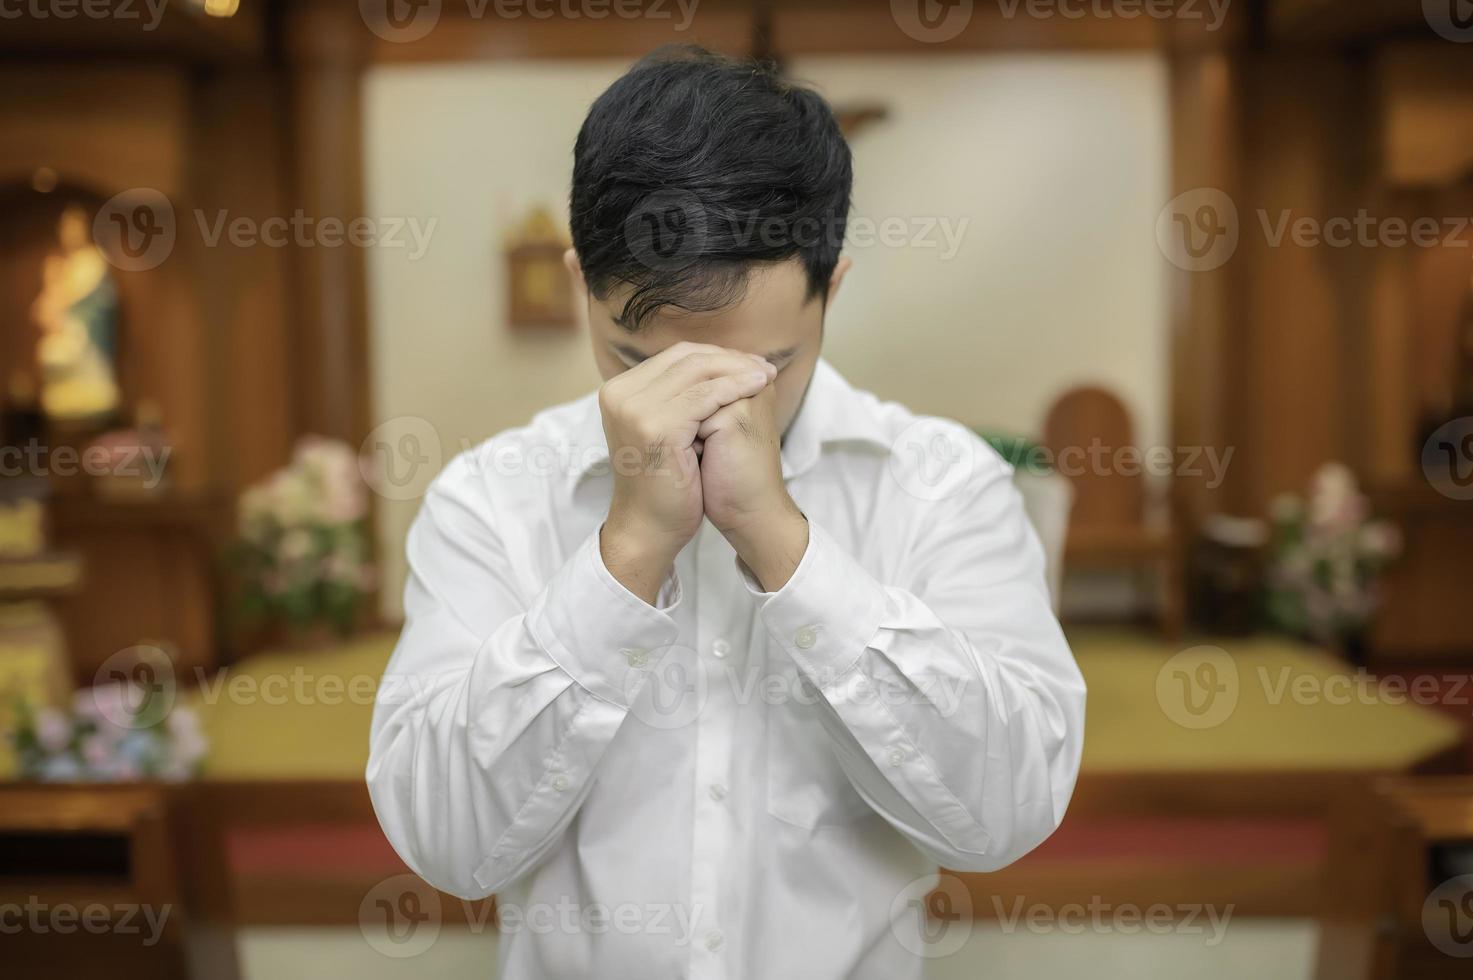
1085 431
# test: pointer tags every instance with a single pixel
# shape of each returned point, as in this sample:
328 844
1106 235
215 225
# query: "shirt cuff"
604 636
827 613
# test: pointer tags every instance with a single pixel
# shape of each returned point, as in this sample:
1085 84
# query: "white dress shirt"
731 784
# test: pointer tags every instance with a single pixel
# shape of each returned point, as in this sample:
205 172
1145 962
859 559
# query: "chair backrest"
1085 431
1046 500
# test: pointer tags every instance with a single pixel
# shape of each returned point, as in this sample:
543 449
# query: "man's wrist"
772 547
637 560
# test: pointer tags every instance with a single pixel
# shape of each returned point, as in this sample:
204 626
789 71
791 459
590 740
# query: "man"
705 674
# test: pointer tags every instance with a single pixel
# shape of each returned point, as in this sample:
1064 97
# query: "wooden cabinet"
150 575
95 872
1399 896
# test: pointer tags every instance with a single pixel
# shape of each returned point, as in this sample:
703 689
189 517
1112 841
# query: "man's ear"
836 280
575 269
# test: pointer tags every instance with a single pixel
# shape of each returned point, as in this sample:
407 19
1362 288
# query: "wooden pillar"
327 47
1206 347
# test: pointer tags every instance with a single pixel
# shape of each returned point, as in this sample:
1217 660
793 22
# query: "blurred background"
1199 268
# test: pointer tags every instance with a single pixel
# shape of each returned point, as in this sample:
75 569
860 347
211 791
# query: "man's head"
709 202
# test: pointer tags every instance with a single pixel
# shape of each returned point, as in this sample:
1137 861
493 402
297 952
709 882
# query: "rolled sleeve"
827 613
603 635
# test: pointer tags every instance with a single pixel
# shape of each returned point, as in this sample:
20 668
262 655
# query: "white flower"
1334 501
1380 539
187 743
1286 508
332 466
295 546
292 498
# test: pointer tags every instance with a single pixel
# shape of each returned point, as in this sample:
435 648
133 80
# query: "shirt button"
715 940
560 782
806 637
896 757
636 657
718 792
720 648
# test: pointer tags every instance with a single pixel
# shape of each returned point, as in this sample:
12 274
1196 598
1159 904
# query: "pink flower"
103 703
98 753
53 730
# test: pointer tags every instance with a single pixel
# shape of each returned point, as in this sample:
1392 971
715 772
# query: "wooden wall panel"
241 167
1305 305
1425 102
109 127
721 25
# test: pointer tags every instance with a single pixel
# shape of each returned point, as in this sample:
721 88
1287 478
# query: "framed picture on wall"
539 291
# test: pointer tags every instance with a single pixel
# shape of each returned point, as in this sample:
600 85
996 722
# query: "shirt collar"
832 412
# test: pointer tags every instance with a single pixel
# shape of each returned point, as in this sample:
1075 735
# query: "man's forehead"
770 290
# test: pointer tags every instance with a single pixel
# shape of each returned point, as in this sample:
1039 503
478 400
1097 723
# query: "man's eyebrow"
630 354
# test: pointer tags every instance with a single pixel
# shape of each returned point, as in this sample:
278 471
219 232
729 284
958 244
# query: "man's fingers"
638 377
703 400
642 374
753 412
702 366
719 420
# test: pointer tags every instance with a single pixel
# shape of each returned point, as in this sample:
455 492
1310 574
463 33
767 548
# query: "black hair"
693 166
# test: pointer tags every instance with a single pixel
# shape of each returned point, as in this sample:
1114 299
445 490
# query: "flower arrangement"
1326 559
303 554
112 732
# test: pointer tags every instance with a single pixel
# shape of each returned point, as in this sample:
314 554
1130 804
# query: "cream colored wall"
1057 167
1051 168
471 147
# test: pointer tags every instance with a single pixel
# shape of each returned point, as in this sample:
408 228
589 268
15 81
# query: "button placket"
711 833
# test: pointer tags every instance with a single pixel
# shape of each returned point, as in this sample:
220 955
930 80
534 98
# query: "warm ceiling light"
222 8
